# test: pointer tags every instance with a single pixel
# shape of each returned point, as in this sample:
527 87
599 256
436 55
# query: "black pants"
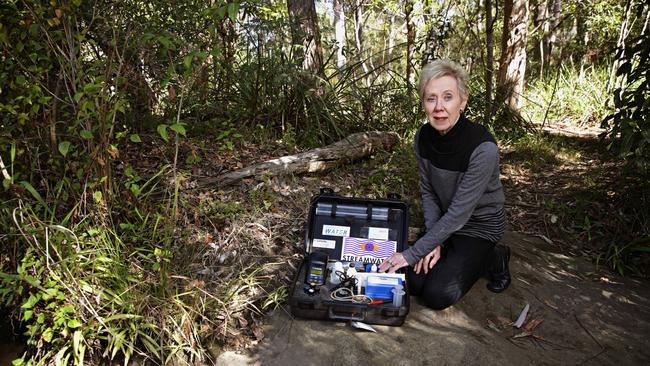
462 262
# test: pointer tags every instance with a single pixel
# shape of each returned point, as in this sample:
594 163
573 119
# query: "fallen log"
351 148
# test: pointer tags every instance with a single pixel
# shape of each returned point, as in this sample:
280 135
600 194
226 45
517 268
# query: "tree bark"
410 40
351 148
489 61
582 36
339 32
620 47
358 36
512 64
305 35
540 21
550 35
391 42
431 39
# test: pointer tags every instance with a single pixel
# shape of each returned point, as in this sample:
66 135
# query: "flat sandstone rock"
578 315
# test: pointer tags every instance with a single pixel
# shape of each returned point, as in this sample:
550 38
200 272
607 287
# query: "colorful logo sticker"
367 250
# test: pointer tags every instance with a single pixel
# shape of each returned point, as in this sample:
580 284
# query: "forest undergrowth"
231 253
113 112
567 190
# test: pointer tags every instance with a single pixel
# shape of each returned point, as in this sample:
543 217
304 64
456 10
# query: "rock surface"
578 315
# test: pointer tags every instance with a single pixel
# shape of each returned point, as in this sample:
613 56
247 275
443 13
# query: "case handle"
347 316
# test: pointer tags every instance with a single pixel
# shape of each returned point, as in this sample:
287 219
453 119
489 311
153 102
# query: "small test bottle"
334 276
398 294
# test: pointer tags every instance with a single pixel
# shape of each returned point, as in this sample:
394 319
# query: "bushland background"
112 113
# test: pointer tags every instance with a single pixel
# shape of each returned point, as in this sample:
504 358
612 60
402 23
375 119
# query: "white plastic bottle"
336 271
398 294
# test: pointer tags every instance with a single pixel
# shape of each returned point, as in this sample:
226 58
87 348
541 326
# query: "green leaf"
135 189
30 302
178 128
50 293
187 61
18 361
162 131
233 10
78 95
97 196
28 315
77 346
86 134
74 323
135 138
166 42
34 193
67 309
48 334
64 147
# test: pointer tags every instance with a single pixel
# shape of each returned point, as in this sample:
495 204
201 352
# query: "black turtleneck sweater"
459 181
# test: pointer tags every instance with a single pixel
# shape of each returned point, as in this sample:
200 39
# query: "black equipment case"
356 216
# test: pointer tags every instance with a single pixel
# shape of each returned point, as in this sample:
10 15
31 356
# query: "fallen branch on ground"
351 148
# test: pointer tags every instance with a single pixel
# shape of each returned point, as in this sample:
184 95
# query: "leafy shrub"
629 125
568 96
85 294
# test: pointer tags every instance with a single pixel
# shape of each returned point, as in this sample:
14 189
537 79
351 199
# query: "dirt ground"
579 315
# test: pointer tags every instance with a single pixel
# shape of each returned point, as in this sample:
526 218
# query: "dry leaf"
504 321
522 317
242 322
493 326
521 335
551 305
259 333
532 324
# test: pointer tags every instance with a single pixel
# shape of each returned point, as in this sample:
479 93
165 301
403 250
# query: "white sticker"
377 280
334 230
379 233
322 243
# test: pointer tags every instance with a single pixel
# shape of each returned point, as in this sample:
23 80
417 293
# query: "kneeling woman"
462 197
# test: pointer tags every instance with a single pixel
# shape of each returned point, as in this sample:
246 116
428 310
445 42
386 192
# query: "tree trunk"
226 31
391 41
430 41
358 35
512 64
339 31
620 47
489 61
305 35
582 36
351 148
410 40
540 21
550 35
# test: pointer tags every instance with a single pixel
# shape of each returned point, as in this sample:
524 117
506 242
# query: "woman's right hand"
428 261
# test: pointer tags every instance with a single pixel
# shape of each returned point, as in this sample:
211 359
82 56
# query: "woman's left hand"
393 263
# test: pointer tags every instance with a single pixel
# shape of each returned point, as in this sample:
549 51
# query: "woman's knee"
439 299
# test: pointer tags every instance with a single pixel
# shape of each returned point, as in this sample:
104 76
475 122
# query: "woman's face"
443 102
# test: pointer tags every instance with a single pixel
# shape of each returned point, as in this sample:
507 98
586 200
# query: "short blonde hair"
439 68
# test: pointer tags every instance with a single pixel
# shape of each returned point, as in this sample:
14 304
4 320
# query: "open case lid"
354 228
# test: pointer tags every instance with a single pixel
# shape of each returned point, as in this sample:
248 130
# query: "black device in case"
356 217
